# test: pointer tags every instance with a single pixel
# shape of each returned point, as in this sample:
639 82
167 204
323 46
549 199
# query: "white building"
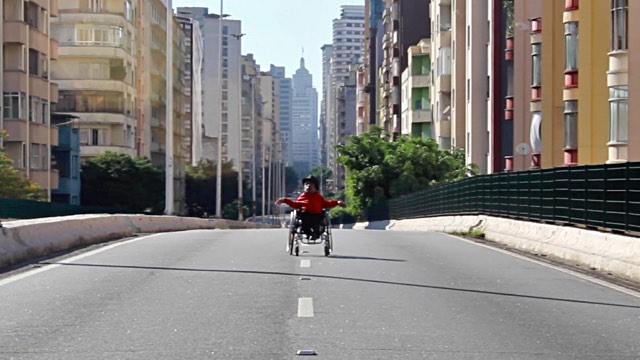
284 87
225 86
346 51
304 120
193 108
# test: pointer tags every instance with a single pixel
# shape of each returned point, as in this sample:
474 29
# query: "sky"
277 30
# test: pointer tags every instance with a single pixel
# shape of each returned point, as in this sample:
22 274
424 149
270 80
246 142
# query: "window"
619 113
99 137
39 157
571 45
571 124
535 134
536 69
14 104
128 10
95 5
31 14
619 15
84 137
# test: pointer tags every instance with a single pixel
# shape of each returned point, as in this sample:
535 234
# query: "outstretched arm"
289 202
332 203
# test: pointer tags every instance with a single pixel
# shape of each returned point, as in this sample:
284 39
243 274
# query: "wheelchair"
297 237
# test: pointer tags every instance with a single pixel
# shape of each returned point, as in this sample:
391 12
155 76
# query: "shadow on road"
373 281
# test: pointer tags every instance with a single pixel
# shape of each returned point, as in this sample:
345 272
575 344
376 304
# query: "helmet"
312 179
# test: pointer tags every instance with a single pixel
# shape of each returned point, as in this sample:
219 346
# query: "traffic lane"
179 295
429 295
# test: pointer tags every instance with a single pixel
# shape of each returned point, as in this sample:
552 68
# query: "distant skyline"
277 30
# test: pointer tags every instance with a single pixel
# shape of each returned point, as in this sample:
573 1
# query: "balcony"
38 41
96 85
108 52
15 32
421 81
41 177
421 116
444 82
54 49
445 39
93 151
38 133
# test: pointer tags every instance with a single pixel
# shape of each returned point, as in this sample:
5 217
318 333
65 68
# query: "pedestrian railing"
605 196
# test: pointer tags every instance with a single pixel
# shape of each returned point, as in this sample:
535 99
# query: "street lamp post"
168 209
219 142
240 169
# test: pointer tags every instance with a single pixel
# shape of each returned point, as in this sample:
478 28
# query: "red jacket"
311 202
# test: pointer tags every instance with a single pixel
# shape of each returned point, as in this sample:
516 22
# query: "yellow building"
575 97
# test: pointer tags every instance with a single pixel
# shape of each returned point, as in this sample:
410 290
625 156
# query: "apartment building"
405 24
96 73
416 93
28 52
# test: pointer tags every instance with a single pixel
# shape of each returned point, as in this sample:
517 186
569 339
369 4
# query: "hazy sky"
277 30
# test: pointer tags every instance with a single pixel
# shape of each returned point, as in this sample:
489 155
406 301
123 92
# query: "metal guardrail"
604 197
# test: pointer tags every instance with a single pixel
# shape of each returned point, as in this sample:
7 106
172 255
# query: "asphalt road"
381 295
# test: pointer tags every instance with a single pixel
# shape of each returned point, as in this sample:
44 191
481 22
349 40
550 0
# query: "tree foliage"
15 186
117 180
379 169
201 190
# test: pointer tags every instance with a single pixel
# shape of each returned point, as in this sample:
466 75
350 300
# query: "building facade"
416 93
405 24
28 53
96 73
221 80
304 120
194 47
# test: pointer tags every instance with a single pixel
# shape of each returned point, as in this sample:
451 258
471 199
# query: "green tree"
15 186
379 169
230 211
201 189
117 180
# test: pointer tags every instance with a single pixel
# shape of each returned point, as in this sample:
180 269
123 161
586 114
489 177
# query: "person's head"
310 184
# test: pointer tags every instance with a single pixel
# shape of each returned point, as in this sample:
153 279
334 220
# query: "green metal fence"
27 209
596 196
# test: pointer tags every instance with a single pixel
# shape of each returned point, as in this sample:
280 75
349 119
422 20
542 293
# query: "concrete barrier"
22 240
616 254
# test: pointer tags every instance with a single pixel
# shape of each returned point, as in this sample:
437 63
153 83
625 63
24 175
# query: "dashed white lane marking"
69 260
305 307
305 263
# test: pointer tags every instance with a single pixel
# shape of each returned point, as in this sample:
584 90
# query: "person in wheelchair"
311 205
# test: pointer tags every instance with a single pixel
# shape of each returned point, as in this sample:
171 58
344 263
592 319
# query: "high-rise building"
284 93
151 75
193 107
371 62
96 73
327 155
221 80
405 24
346 52
304 121
28 92
416 87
